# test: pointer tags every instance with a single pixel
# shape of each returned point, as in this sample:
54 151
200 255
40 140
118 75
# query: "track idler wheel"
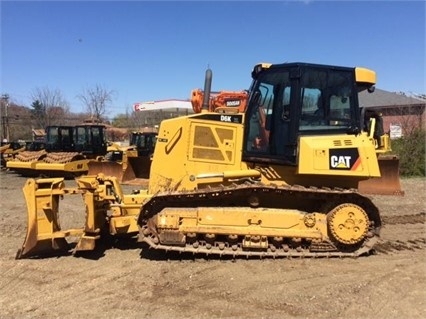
348 224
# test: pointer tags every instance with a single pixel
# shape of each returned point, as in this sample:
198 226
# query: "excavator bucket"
137 168
388 183
108 168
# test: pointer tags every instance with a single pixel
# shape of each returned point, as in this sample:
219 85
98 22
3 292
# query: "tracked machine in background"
130 163
9 150
389 181
68 150
220 101
25 162
277 180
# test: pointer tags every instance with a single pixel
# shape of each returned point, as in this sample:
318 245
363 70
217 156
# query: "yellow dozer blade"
132 170
388 183
108 168
44 233
137 169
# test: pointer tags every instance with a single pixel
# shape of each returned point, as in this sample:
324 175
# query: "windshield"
326 98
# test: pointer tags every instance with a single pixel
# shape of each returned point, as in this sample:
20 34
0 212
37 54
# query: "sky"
156 50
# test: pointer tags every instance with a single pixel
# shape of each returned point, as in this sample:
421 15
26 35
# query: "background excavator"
220 101
277 180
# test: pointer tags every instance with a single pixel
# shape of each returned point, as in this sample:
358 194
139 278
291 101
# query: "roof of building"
172 104
382 98
39 132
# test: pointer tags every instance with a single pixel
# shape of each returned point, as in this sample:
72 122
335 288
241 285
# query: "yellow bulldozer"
278 180
129 164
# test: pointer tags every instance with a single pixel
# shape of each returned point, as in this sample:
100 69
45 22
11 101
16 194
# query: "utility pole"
5 118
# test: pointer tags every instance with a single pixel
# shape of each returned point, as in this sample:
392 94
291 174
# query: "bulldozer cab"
138 161
144 142
90 140
308 116
292 100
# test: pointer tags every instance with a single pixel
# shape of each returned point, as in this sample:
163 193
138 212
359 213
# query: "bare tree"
50 107
96 101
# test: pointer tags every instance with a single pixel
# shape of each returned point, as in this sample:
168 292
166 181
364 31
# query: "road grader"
277 180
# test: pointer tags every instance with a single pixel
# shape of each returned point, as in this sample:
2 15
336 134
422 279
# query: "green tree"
411 149
38 112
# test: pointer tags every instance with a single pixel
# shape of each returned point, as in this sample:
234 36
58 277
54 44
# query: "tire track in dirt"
404 219
393 246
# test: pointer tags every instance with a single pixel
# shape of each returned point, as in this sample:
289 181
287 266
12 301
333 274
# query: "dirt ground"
134 282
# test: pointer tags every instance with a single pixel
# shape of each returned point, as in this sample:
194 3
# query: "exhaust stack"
207 89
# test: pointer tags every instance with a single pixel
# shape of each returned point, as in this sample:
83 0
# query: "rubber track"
297 197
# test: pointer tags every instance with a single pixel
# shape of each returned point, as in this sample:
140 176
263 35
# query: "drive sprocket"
348 223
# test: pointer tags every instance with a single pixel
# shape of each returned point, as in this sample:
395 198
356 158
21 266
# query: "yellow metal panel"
212 143
21 165
332 155
75 166
243 221
365 75
197 148
123 225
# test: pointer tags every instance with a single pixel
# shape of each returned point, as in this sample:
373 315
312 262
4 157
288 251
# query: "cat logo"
340 161
344 159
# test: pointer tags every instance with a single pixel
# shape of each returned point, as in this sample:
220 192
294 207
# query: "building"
401 113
